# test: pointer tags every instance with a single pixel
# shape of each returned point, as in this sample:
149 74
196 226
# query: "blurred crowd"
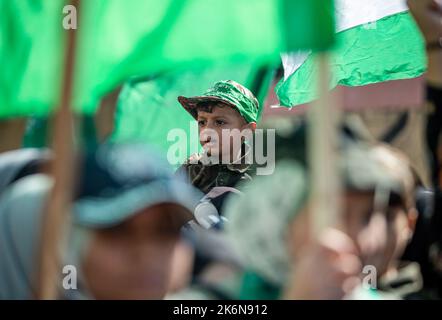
217 230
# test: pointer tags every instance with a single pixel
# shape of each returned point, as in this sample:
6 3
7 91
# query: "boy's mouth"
209 144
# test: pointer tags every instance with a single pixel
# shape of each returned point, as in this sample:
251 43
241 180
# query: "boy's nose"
209 125
207 135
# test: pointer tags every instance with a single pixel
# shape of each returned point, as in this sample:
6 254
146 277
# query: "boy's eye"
201 123
220 122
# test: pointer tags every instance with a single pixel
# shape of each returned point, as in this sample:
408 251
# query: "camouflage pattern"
206 176
230 93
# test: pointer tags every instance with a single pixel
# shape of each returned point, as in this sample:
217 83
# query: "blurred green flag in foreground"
118 39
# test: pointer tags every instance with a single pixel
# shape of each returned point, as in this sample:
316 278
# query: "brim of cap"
106 212
366 186
191 103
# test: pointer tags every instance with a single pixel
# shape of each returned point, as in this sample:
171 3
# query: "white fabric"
352 13
292 61
349 14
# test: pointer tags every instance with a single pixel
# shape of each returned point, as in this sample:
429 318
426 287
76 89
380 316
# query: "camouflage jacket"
207 176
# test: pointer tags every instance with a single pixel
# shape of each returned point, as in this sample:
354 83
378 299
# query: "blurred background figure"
127 215
19 163
428 14
377 222
427 247
215 231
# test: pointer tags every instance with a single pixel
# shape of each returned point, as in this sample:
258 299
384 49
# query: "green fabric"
37 133
261 86
308 24
391 51
246 104
147 109
39 129
118 39
254 287
234 94
30 59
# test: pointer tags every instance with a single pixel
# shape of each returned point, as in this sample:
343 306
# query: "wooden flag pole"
323 118
56 214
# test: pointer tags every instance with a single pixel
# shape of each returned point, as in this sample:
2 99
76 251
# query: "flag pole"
56 214
323 117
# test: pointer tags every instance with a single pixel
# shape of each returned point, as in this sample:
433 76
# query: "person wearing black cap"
284 259
127 215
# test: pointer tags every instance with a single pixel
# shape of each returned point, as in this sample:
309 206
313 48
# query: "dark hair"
207 106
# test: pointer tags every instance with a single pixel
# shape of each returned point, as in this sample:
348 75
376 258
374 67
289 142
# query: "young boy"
227 116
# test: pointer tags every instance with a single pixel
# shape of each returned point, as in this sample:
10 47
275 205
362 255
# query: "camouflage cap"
369 168
230 93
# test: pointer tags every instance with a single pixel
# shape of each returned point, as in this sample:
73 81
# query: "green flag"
31 53
118 39
376 42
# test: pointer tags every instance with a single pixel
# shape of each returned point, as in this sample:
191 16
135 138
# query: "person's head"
131 209
133 259
272 223
378 211
218 122
226 115
125 221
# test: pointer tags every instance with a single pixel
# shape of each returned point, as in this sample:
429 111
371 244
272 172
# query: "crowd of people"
215 229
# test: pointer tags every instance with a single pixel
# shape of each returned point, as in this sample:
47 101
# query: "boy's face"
211 126
133 260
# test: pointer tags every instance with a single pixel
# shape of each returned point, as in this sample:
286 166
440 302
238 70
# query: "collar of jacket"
240 165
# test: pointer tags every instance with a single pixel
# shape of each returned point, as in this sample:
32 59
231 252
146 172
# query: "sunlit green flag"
377 41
